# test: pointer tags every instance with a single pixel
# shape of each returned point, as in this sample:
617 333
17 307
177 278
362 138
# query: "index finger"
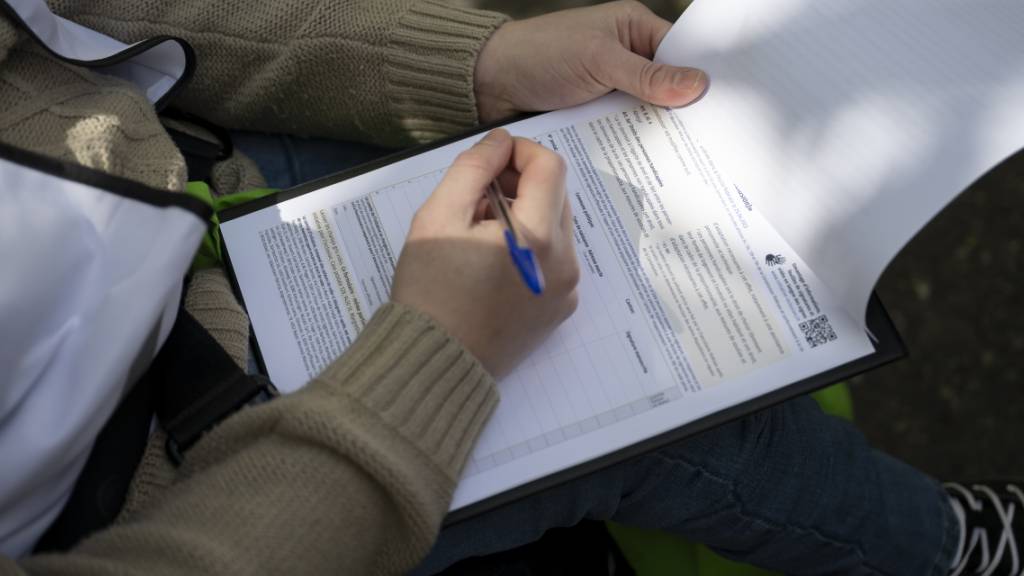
457 196
540 195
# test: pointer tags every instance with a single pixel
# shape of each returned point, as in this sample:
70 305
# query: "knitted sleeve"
384 71
350 475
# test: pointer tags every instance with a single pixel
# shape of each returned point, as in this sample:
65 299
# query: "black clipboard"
888 346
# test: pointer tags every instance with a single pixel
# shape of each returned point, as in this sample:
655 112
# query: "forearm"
386 71
351 475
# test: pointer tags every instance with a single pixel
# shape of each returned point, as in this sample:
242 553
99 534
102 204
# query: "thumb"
459 192
659 84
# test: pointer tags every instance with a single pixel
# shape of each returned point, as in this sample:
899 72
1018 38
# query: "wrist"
429 66
491 75
410 373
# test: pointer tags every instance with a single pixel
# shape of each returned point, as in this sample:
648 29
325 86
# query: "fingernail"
496 136
692 80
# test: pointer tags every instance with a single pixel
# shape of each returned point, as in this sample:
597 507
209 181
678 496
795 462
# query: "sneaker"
991 519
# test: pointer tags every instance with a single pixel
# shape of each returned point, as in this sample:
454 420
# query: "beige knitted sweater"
352 474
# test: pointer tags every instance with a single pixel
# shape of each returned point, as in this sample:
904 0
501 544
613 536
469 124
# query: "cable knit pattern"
82 117
353 473
236 173
9 36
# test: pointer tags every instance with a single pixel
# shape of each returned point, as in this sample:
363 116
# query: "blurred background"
954 407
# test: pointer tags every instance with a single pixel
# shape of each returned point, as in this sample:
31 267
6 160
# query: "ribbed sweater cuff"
430 64
420 381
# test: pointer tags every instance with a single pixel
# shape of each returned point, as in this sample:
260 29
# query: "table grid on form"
582 378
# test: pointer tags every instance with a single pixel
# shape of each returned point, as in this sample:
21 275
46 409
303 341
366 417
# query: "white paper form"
850 123
689 302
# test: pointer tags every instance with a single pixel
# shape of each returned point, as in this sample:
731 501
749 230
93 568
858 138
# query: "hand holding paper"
570 57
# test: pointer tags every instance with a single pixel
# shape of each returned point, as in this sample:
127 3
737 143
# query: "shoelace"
989 560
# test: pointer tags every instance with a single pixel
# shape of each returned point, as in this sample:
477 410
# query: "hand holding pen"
456 268
523 258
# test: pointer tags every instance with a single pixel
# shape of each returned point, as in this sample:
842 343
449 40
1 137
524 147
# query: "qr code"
818 331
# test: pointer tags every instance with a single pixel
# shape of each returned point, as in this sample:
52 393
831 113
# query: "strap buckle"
188 427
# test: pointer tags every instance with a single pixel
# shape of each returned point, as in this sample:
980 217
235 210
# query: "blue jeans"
788 488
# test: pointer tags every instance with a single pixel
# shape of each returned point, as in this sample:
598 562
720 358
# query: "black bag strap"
191 386
102 486
201 385
200 155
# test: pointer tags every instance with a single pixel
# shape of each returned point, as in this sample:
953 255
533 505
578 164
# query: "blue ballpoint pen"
522 256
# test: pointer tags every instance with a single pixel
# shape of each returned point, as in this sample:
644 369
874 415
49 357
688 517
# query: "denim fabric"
287 161
788 488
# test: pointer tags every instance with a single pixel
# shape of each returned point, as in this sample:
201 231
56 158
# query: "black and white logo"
774 260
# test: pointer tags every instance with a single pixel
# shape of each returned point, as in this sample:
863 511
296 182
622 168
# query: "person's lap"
788 488
287 161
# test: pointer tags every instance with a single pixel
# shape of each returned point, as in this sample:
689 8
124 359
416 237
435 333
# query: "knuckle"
568 277
572 302
472 160
421 222
629 9
560 166
542 245
649 73
637 8
563 273
430 221
553 163
572 278
630 6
